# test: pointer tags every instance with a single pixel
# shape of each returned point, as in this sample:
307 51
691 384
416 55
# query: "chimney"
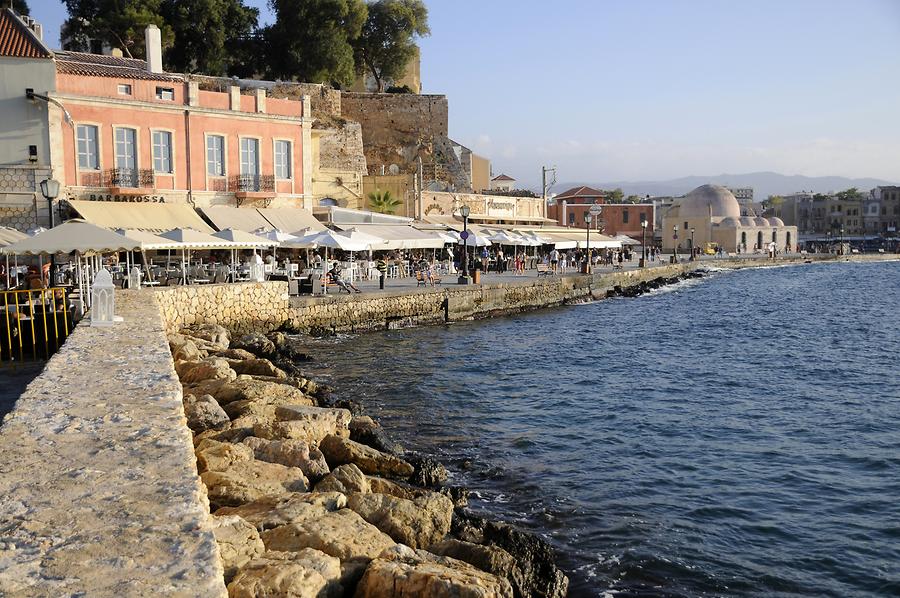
117 52
153 44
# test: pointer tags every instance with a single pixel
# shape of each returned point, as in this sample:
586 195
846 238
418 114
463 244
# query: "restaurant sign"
124 198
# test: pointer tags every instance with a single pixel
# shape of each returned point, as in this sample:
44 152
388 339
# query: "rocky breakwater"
646 286
311 498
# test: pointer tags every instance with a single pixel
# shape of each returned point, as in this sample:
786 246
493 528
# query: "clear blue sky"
611 90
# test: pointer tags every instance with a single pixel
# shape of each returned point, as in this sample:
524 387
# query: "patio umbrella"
246 241
190 239
334 240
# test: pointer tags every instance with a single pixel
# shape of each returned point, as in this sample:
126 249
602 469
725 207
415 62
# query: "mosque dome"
747 221
760 221
776 222
709 201
730 222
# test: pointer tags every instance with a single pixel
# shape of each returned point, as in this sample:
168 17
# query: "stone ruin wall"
341 148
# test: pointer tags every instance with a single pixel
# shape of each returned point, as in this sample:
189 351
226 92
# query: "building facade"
124 130
570 208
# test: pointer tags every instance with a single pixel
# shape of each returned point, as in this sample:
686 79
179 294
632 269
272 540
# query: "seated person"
335 274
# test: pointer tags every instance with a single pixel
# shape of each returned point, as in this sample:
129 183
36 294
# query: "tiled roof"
583 191
502 177
16 39
100 65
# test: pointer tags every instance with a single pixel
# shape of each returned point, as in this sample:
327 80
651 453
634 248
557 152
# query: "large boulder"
401 571
246 481
341 451
245 388
492 559
255 343
342 534
184 348
417 523
256 367
365 430
428 472
211 368
213 455
298 422
238 542
344 479
233 354
204 413
212 333
276 510
265 406
308 573
293 453
534 557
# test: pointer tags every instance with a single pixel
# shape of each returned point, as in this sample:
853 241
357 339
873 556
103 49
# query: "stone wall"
239 307
341 148
99 492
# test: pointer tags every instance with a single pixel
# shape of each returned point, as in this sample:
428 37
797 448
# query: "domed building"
714 214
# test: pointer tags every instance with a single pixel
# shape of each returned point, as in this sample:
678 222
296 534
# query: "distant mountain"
764 184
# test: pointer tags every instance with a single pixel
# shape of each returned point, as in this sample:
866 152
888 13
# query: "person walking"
382 267
554 259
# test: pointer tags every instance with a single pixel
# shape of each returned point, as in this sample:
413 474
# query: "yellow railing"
34 323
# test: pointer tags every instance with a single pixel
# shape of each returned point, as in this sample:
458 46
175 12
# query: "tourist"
336 278
554 259
382 267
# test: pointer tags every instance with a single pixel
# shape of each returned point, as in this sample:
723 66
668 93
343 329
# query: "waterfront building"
713 213
502 182
114 129
570 207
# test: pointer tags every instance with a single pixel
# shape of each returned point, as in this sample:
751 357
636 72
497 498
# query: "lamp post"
50 191
588 217
675 244
643 243
464 211
842 240
693 248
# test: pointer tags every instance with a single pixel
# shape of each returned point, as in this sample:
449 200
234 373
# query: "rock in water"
534 557
238 542
305 574
428 472
342 534
204 413
492 559
276 510
401 571
365 430
255 343
417 523
341 451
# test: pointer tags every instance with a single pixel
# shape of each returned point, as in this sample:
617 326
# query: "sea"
737 435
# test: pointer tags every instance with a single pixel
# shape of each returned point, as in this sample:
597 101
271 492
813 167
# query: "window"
126 157
685 226
624 216
643 217
282 159
88 154
165 93
162 151
571 218
215 155
124 89
249 156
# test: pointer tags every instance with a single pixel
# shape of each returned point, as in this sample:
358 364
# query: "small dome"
747 221
708 201
776 222
730 222
760 221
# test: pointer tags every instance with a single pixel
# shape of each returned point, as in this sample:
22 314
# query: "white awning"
150 217
400 236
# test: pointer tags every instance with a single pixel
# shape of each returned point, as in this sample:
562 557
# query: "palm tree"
383 202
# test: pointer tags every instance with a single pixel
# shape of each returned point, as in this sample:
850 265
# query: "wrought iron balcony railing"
129 177
251 183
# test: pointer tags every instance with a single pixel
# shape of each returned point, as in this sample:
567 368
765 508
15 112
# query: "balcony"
252 186
128 180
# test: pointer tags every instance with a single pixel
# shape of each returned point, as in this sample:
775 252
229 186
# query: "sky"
619 90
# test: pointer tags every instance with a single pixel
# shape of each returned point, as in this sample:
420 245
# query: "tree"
226 26
20 6
310 40
850 194
615 196
116 23
387 43
383 202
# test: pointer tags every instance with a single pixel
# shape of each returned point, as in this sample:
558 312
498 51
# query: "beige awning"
150 217
73 235
245 219
10 235
291 220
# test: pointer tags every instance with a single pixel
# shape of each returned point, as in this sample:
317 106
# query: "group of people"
564 261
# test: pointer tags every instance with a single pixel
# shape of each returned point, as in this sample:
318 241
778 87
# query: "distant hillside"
764 184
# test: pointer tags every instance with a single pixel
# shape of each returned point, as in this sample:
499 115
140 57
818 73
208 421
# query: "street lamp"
842 240
587 227
50 191
693 249
464 211
643 242
675 244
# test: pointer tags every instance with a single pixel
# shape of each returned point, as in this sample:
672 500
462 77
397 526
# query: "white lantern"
103 299
257 272
134 278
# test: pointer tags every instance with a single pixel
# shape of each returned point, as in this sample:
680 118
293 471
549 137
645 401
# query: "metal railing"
34 323
252 182
129 177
